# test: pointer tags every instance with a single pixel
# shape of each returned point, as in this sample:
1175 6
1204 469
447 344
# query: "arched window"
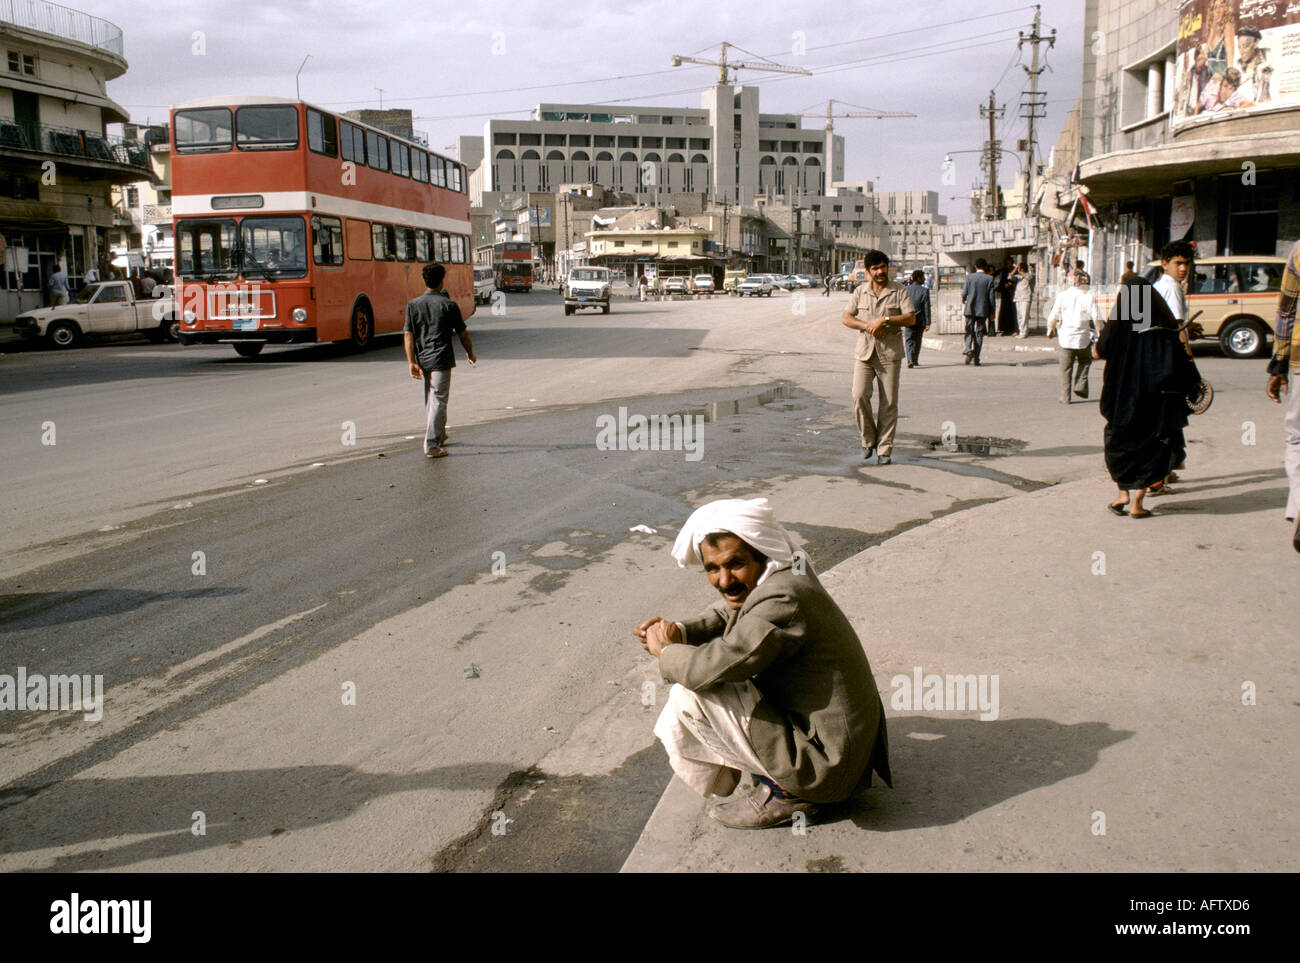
604 156
505 155
812 162
530 155
628 156
555 155
653 157
788 162
580 155
766 160
699 159
676 159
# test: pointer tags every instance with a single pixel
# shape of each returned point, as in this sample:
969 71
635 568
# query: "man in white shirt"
1075 309
1175 264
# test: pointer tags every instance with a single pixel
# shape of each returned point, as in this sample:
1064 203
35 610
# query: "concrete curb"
943 343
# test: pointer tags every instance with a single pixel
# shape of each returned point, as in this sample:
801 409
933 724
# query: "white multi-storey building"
724 149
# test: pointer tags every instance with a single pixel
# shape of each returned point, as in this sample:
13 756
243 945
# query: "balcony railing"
69 142
62 21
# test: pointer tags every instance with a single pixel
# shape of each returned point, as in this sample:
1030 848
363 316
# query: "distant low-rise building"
58 164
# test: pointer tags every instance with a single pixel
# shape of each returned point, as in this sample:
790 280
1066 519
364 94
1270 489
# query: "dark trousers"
912 342
975 336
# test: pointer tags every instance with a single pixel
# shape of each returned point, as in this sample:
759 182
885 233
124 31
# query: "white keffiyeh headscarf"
750 520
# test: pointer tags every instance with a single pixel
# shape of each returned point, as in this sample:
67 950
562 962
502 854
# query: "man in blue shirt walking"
431 320
977 306
920 295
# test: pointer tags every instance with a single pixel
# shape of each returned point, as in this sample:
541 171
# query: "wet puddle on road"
978 445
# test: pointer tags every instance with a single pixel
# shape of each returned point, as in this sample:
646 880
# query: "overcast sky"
457 65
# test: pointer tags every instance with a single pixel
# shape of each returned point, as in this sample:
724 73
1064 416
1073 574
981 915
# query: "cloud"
420 53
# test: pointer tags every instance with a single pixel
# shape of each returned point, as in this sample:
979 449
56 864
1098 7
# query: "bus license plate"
245 324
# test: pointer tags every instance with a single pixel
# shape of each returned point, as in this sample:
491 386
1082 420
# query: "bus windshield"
273 246
517 270
207 248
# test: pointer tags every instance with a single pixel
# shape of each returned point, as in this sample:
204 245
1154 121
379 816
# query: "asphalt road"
478 606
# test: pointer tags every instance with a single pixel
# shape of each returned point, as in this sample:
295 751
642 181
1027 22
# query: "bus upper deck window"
322 133
200 131
266 128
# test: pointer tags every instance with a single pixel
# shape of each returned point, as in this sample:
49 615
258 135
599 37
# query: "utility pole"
1033 105
726 247
994 113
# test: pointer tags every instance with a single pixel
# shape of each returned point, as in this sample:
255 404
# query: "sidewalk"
1121 740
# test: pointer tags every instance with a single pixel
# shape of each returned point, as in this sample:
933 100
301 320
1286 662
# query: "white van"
484 285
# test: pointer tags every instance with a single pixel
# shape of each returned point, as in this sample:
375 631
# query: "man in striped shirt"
1286 362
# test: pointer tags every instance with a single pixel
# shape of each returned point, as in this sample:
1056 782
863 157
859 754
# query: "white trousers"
707 732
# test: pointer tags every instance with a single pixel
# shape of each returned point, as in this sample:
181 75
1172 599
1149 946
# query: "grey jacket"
977 295
819 728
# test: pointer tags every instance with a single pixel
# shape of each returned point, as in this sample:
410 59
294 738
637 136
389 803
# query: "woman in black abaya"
1147 381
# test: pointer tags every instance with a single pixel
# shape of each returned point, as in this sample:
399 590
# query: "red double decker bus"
512 265
294 224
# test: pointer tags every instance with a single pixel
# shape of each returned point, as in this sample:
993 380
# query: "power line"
849 65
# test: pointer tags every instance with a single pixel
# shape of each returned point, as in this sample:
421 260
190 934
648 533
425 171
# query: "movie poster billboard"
1235 57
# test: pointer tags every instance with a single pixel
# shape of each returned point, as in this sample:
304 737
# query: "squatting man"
773 681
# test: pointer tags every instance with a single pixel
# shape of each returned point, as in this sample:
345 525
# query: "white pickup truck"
109 307
587 287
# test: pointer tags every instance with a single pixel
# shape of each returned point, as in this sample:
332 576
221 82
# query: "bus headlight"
299 315
190 317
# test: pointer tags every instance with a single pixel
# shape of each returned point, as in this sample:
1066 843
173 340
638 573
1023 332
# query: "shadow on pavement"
238 806
1245 503
31 610
946 770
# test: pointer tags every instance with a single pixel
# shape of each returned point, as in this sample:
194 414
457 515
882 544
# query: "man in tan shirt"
880 310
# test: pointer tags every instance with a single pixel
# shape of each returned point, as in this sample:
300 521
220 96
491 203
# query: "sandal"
1120 510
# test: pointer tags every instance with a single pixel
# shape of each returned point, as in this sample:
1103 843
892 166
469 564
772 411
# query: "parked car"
107 307
783 281
755 285
1236 296
808 281
587 287
675 285
703 283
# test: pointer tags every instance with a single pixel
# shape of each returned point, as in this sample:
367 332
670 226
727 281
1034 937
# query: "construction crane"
868 112
724 65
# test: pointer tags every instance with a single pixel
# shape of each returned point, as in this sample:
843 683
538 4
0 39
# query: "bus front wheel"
363 329
249 349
